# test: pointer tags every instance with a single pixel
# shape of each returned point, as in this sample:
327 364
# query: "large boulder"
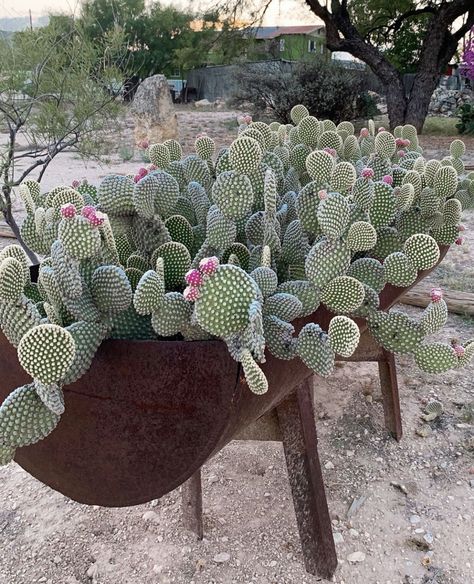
153 110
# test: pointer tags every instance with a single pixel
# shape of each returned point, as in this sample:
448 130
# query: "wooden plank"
300 443
191 503
265 428
390 396
6 232
458 302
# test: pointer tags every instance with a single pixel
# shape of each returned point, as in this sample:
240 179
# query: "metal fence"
218 82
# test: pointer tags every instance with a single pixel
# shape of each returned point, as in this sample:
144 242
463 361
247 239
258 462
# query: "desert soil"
420 533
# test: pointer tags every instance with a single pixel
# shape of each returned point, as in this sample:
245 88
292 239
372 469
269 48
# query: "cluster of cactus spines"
236 245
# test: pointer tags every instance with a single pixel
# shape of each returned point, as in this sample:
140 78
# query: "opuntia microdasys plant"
234 246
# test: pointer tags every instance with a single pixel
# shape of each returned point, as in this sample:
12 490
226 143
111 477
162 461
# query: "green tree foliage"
163 38
57 92
386 25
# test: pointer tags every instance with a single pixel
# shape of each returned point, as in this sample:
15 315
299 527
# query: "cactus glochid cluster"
234 245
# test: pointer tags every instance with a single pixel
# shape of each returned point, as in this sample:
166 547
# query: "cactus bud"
208 266
193 278
87 211
459 350
388 179
459 241
364 133
367 173
68 211
436 294
191 293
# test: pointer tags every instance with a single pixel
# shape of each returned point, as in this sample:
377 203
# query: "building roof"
273 32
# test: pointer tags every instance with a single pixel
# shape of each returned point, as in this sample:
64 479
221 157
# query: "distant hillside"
9 25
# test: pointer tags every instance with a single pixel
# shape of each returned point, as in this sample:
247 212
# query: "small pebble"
221 558
356 557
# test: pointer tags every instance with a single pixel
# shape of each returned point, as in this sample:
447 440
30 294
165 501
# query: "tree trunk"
10 220
419 101
396 104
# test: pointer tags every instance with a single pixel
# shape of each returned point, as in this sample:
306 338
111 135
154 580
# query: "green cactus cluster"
235 245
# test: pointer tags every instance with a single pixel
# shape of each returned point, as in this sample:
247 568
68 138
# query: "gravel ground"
420 533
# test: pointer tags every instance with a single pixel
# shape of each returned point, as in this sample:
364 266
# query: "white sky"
284 12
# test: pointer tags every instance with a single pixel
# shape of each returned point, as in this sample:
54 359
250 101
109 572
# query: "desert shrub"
366 106
465 115
328 90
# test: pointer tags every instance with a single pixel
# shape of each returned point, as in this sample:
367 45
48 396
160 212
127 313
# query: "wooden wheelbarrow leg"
390 396
191 503
298 428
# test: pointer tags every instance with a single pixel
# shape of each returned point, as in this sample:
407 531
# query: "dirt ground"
420 534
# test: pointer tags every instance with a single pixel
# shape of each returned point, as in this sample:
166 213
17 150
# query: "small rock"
356 557
221 558
202 103
57 560
424 431
471 483
428 537
93 572
338 537
329 465
150 516
353 532
414 519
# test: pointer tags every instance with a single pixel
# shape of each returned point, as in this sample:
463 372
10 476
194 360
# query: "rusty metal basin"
148 414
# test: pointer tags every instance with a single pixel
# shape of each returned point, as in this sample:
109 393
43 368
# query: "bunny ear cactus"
239 246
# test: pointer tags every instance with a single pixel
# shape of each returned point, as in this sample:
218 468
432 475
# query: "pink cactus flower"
364 133
137 178
367 173
381 129
388 179
330 151
322 194
68 211
142 172
401 153
152 167
193 278
208 266
76 183
191 293
459 241
407 143
400 142
144 144
248 119
459 350
436 294
462 228
87 211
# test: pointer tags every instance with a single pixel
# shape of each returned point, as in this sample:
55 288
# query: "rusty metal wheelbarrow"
148 414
